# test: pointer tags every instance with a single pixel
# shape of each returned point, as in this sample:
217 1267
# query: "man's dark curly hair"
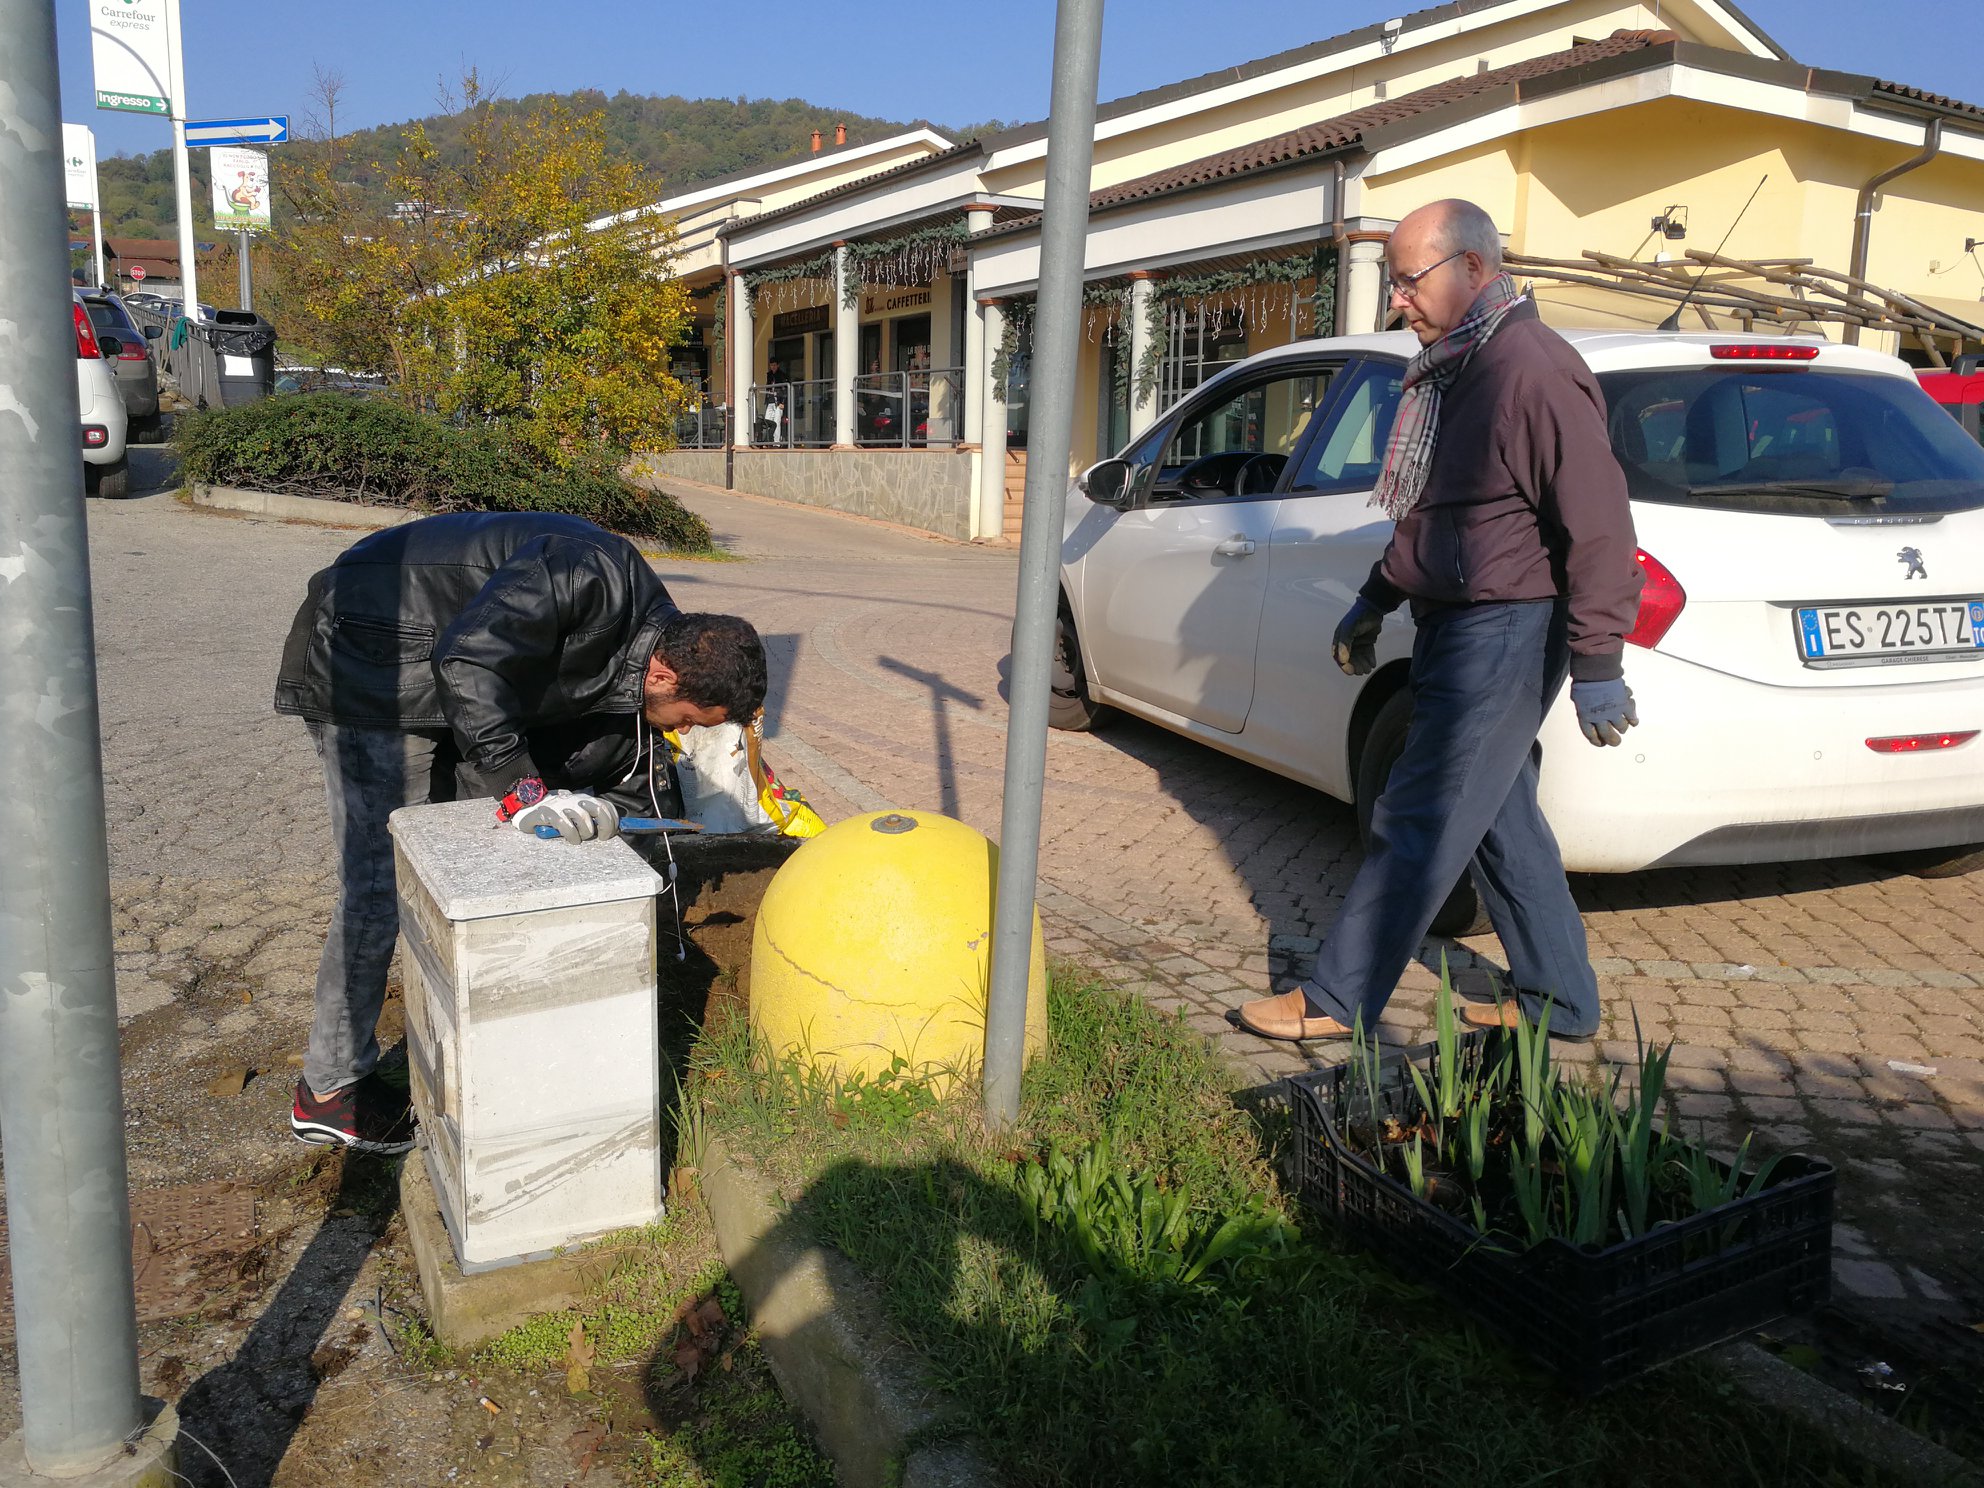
718 662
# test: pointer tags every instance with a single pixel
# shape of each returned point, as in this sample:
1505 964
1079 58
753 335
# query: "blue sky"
958 64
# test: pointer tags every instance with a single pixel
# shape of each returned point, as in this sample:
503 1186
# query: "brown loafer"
1491 1015
1507 1015
1287 1017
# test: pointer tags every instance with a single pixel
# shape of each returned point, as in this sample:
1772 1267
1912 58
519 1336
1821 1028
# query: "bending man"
513 655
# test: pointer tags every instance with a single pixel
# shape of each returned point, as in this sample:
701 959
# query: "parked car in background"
137 377
1809 652
1960 391
106 467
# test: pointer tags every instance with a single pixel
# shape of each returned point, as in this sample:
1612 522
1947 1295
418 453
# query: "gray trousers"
368 775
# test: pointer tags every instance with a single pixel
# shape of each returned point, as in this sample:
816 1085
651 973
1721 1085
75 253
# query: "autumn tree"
525 281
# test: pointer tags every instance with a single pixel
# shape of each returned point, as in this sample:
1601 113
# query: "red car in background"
1961 392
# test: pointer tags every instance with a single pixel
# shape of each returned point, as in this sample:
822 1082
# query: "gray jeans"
368 774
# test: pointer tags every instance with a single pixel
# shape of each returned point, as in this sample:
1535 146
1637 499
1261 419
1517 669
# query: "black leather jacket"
511 629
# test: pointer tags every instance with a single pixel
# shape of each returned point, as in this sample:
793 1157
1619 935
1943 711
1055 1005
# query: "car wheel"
1069 706
112 482
1933 862
149 429
1462 913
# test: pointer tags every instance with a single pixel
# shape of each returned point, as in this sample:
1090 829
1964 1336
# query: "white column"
742 336
847 348
1143 401
1363 302
976 219
992 435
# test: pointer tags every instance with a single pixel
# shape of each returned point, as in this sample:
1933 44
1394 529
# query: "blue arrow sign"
270 130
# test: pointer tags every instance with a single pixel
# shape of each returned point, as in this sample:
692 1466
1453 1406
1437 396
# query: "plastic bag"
728 788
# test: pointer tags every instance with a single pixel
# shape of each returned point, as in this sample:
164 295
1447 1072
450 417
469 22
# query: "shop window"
1198 345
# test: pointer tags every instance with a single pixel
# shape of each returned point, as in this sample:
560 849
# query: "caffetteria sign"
128 45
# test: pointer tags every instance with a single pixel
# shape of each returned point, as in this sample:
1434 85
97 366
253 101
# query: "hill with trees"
677 141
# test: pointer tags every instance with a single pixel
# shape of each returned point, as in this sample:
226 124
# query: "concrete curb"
822 1331
1867 1435
298 508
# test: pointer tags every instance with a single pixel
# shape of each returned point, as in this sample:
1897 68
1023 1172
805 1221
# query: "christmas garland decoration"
792 286
908 260
1263 286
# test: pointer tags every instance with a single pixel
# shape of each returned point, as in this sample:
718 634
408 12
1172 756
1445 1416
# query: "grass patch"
665 1363
1119 1291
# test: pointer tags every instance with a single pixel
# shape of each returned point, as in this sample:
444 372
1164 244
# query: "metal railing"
909 410
702 428
791 415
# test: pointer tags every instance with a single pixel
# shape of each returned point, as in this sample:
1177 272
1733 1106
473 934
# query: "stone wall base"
932 490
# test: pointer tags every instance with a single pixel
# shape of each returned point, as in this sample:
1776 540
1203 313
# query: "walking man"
534 659
1514 546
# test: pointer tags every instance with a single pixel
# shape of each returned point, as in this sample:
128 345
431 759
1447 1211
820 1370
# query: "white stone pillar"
1364 300
1143 401
976 220
743 336
847 349
992 435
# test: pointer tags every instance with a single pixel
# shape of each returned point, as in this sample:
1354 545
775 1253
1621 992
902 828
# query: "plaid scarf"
1409 454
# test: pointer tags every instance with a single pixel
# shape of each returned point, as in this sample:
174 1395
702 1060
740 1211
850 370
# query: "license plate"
1891 632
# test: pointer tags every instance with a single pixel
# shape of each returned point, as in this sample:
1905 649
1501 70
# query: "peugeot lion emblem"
1913 558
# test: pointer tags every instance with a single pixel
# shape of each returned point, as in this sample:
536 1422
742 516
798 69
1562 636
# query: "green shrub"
377 453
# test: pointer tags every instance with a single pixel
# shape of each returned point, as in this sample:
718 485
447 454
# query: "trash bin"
235 359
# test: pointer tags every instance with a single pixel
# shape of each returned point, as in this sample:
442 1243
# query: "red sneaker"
369 1116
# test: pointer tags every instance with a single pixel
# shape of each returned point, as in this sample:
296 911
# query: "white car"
106 467
1809 655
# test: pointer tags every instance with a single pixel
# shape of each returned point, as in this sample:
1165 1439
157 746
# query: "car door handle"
1235 546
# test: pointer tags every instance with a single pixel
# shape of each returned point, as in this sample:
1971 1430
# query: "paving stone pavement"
1791 992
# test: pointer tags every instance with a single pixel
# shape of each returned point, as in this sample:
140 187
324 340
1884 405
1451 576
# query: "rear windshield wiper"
1843 490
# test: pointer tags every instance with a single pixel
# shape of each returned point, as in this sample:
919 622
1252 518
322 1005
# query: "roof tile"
1348 129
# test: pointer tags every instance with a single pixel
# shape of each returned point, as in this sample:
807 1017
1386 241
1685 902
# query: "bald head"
1441 257
1462 227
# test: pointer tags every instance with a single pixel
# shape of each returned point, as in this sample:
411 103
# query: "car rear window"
111 320
1809 441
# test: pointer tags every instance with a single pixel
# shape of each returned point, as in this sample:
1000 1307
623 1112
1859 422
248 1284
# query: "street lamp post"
61 1109
1050 437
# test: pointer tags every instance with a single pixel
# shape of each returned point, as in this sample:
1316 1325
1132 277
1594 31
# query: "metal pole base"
152 1461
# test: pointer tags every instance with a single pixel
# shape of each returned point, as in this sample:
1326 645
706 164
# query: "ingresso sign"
128 41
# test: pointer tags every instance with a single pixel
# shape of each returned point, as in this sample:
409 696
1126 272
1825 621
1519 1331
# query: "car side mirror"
1107 483
152 332
109 346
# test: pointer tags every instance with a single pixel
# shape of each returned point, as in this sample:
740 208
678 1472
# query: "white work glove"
578 818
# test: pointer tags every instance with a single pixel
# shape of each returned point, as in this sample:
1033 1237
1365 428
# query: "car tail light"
1661 599
85 334
1763 351
95 435
132 351
1920 743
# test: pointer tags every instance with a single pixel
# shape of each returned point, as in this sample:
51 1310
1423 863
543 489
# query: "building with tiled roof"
1248 206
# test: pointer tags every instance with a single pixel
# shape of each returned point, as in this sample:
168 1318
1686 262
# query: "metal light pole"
1050 436
182 174
61 1111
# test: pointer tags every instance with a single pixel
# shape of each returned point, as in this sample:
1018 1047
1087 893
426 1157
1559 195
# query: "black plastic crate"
1596 1317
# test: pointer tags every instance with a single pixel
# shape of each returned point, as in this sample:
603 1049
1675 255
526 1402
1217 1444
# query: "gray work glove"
1355 643
578 818
1605 709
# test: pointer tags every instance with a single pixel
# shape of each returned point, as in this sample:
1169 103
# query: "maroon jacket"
1524 500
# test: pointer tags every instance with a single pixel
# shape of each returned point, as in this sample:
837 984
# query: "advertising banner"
241 188
79 167
128 41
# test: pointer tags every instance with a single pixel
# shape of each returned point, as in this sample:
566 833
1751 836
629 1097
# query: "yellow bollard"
875 940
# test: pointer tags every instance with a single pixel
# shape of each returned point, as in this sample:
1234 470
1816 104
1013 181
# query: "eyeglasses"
1407 285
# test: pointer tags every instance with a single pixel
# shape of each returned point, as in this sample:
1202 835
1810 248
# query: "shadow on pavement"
247 1410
